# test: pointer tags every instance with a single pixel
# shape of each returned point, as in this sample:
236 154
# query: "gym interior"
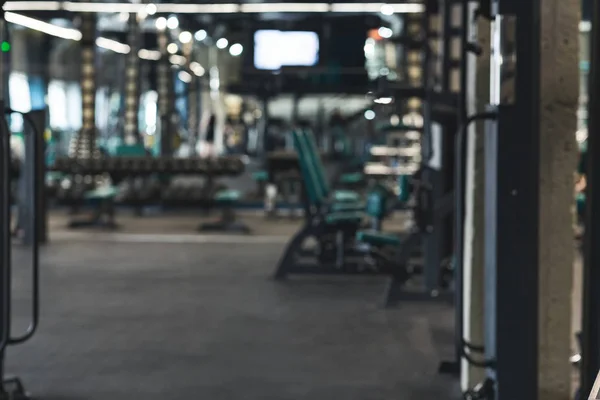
299 200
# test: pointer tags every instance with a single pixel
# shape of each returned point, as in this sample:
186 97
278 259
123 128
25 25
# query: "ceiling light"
149 54
172 48
151 9
172 22
161 23
32 6
197 69
387 9
370 115
200 35
185 37
385 32
222 43
384 100
284 7
177 59
184 76
41 26
113 45
236 49
168 8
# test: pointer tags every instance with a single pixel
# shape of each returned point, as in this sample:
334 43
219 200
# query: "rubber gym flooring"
125 318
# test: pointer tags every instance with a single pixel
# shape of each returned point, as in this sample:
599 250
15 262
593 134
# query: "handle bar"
35 314
5 234
458 224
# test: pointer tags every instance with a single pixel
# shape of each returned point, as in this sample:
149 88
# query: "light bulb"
185 37
161 23
236 49
222 43
172 22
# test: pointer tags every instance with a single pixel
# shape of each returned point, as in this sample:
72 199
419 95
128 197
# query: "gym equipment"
590 343
12 387
226 200
333 230
510 351
595 393
33 140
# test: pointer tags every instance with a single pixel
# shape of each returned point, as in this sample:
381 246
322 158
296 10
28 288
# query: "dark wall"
586 10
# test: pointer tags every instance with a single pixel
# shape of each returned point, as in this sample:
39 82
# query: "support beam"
558 159
132 83
478 92
512 206
166 95
83 144
591 266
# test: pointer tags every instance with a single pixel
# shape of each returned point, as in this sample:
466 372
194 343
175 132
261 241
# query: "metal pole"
132 83
5 241
166 98
512 203
591 250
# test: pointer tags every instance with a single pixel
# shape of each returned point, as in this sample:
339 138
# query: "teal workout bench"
103 197
333 225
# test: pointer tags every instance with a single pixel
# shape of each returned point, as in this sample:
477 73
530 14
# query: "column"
83 143
132 83
478 93
558 159
193 97
166 98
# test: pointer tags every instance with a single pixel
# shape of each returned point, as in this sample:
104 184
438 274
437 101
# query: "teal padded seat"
260 176
316 190
345 196
226 200
335 207
227 196
130 150
54 175
378 238
102 193
314 159
344 217
352 178
580 201
404 184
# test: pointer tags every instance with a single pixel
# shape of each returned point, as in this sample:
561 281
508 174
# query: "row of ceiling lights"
122 48
186 37
173 8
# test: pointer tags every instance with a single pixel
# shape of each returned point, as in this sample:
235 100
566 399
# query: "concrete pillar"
559 97
478 93
193 95
83 143
132 83
166 95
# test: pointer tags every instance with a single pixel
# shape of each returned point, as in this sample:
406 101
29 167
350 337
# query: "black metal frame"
34 140
512 206
12 387
590 361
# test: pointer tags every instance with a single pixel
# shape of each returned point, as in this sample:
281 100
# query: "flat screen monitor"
274 49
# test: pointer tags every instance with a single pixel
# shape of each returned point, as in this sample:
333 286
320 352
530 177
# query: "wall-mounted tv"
275 49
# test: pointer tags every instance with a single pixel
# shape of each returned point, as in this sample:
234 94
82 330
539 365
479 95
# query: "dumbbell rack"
400 156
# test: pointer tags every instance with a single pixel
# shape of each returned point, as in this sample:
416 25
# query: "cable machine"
512 141
11 387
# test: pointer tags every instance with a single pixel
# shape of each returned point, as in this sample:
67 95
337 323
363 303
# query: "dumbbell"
167 164
237 167
145 165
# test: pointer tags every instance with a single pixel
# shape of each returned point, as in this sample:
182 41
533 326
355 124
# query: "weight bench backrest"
130 150
315 158
313 190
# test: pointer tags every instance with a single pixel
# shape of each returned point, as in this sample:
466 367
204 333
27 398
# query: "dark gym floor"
204 321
